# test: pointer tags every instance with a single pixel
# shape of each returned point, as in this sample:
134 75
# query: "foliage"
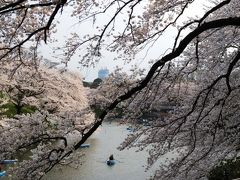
28 109
10 110
1 94
229 169
96 83
97 111
87 84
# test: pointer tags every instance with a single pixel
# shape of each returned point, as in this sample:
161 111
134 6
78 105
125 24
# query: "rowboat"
2 173
110 162
84 145
9 161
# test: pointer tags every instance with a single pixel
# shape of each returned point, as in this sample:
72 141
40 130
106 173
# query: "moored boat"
10 161
84 145
2 173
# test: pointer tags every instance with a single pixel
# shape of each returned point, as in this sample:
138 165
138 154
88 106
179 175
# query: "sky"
69 25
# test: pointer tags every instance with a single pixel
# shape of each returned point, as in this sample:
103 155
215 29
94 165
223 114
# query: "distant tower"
103 73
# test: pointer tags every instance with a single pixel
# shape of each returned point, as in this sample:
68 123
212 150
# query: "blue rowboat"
110 162
2 173
10 161
84 145
130 129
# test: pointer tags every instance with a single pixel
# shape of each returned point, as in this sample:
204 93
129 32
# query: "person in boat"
111 157
110 160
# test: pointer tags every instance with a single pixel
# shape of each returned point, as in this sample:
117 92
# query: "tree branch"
181 47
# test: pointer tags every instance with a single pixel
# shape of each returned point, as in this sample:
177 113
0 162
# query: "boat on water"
130 129
9 161
5 162
3 173
110 162
84 145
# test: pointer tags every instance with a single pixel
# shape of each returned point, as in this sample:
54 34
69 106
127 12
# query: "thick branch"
50 21
214 9
11 5
45 29
183 44
7 10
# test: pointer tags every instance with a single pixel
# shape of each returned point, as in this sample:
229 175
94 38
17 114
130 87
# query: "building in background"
103 73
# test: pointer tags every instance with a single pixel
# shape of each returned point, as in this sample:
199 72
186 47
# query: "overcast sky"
69 24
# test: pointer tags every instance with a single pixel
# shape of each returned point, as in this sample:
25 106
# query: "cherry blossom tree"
203 127
22 86
199 74
62 113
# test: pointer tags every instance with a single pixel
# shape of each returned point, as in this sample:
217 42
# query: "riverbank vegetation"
39 111
196 79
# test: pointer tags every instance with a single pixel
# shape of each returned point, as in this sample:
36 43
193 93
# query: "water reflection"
102 144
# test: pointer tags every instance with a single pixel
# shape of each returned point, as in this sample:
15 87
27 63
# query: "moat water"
130 165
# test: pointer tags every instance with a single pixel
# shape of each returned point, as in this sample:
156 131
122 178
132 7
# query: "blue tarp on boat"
84 145
2 173
10 161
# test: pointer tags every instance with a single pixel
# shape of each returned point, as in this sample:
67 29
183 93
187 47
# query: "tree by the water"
54 108
198 76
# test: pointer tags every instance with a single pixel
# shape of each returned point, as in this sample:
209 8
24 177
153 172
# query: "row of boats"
110 162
